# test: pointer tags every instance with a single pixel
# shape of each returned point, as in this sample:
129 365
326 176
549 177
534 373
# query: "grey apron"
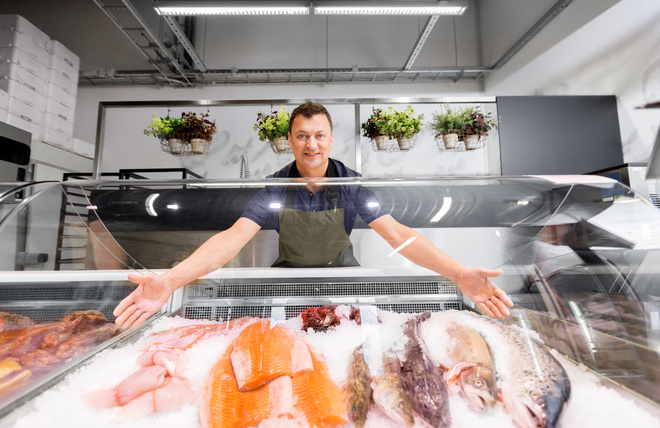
314 239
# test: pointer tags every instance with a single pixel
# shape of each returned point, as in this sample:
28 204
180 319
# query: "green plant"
450 120
402 124
197 126
375 125
163 128
479 123
273 125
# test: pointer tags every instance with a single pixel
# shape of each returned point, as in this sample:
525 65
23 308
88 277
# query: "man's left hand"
475 283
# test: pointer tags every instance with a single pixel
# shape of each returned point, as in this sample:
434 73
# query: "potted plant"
374 129
274 128
403 125
477 126
197 130
448 126
166 129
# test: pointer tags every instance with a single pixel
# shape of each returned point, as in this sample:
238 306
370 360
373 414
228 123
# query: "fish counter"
366 367
382 344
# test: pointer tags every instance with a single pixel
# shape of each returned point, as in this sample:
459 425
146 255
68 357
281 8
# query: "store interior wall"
605 56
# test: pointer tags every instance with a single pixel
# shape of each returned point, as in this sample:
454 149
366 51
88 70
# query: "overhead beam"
531 33
423 36
187 45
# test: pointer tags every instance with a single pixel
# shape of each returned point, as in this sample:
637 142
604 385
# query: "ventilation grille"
224 313
230 290
48 302
42 315
397 290
50 293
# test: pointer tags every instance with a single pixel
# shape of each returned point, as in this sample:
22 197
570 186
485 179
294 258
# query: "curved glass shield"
579 257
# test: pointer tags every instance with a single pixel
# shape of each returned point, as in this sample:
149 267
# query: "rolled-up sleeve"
368 205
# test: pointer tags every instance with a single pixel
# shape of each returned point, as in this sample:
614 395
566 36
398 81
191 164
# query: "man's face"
311 141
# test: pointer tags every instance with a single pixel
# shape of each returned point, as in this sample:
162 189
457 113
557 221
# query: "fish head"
536 407
476 388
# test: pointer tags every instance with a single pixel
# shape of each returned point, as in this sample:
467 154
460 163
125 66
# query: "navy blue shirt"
353 198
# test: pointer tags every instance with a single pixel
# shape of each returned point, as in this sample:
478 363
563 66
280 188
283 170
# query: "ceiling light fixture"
192 8
175 8
391 8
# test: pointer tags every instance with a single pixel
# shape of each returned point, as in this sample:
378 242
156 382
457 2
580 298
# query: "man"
310 138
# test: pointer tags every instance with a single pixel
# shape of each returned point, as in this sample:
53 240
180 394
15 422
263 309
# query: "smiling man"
314 223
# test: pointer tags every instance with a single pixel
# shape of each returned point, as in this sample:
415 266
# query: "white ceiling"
272 49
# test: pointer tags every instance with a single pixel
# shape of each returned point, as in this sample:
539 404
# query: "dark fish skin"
358 388
423 380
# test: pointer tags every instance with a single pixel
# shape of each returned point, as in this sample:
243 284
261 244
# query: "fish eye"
478 383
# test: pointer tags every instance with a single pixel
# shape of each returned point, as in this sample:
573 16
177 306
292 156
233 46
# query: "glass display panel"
579 257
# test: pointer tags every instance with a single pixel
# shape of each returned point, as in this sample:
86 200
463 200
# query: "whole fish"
390 395
358 388
536 386
423 380
470 367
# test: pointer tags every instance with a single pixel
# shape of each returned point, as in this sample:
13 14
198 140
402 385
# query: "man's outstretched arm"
474 282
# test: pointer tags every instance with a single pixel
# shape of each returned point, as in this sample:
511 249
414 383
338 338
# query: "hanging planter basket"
386 144
185 145
280 145
462 142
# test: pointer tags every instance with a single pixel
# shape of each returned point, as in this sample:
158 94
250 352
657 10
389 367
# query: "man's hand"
150 295
475 283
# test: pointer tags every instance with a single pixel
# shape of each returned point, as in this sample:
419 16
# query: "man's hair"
308 110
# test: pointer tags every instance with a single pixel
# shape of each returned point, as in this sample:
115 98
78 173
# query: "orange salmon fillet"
318 397
263 352
224 406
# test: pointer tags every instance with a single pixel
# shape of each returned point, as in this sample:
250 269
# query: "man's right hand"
152 293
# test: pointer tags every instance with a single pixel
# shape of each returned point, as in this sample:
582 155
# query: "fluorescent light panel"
391 8
175 8
231 8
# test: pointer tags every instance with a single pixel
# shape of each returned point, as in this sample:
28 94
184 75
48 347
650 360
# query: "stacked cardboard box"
41 77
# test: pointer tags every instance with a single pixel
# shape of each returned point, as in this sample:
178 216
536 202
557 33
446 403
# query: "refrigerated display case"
580 258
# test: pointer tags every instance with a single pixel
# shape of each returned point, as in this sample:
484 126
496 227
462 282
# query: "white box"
14 79
22 25
20 57
84 148
4 99
15 39
61 55
56 93
57 139
3 115
24 93
25 123
20 108
55 106
58 123
63 80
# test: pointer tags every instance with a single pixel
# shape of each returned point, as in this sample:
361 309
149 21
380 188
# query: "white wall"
616 53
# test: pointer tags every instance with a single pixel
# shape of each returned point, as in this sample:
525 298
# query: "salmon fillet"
318 398
262 353
224 406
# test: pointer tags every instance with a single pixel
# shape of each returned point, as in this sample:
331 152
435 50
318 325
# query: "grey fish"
537 386
357 389
470 367
390 395
423 380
